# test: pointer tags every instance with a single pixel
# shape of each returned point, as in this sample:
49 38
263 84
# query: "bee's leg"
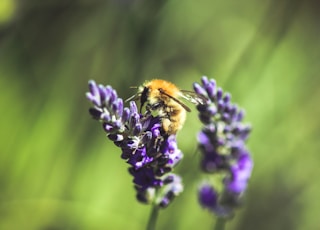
148 109
155 106
157 143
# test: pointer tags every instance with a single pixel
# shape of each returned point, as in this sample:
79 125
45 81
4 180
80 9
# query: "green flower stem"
220 224
153 218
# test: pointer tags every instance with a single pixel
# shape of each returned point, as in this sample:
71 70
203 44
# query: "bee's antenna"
135 96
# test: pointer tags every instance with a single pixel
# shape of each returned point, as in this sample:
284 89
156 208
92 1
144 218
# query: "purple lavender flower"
208 199
222 144
150 155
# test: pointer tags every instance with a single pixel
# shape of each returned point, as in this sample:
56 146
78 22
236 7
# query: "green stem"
153 218
220 224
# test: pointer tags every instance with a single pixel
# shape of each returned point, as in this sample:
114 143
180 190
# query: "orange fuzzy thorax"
166 86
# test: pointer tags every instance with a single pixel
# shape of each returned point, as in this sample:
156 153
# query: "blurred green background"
59 171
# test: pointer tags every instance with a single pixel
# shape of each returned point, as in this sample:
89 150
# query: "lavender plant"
151 155
222 142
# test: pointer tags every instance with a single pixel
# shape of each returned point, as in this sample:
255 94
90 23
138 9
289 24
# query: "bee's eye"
144 97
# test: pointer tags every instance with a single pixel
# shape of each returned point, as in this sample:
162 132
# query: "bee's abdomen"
173 120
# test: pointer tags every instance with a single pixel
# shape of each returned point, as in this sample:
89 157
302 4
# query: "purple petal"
219 94
133 107
199 90
125 115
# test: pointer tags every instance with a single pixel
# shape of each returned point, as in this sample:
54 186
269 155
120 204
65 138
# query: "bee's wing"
193 97
176 100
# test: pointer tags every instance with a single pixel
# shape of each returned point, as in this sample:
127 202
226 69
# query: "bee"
164 97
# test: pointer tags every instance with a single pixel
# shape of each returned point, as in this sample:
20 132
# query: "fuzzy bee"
164 97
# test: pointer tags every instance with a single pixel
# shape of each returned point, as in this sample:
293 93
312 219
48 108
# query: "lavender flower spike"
151 156
222 144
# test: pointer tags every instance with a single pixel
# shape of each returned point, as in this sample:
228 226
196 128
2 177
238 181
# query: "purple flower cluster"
222 142
151 156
